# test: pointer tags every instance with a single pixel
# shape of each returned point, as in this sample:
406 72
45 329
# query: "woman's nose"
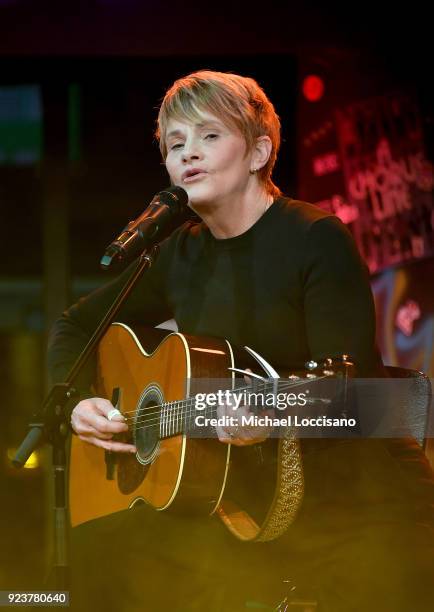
191 151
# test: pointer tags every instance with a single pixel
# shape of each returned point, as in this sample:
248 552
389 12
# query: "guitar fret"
172 419
183 425
167 429
178 407
175 418
178 417
167 420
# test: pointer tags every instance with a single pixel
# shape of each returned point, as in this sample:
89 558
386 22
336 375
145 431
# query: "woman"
286 279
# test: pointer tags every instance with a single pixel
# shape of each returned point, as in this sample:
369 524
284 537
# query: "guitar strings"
184 404
182 417
191 400
285 385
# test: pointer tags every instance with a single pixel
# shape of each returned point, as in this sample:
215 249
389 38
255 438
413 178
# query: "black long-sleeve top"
292 287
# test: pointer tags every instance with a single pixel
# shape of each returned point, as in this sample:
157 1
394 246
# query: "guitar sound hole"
147 424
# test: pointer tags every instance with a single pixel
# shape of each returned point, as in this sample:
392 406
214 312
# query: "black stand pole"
50 425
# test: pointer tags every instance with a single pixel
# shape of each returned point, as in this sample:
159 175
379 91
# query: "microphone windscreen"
173 196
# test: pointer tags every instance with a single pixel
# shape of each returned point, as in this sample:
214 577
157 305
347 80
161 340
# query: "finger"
87 424
87 430
223 435
104 407
248 438
115 415
116 447
93 413
109 412
100 423
247 379
96 405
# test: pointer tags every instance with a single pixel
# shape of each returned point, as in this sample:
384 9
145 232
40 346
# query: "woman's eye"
176 146
211 136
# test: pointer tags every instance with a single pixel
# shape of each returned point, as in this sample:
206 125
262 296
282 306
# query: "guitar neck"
180 416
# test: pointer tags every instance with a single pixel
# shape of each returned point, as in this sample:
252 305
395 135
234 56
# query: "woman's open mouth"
193 175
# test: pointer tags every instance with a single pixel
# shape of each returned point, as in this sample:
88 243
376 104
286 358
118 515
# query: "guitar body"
181 473
256 490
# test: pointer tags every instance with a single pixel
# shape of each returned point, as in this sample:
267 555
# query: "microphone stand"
50 425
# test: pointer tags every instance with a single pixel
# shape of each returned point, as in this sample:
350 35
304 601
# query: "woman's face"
207 159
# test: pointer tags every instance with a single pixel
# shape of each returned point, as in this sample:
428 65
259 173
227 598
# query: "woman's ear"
261 152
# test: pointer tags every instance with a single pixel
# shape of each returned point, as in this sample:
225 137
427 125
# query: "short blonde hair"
239 102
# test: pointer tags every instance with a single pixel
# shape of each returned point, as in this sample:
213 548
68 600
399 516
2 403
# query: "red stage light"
313 88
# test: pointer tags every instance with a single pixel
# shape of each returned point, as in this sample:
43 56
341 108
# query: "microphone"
168 207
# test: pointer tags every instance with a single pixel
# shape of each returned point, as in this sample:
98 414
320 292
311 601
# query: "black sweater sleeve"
146 304
338 302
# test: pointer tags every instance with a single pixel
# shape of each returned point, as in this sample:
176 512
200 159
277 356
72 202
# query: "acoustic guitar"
153 377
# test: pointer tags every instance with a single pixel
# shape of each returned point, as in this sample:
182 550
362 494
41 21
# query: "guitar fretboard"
179 417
